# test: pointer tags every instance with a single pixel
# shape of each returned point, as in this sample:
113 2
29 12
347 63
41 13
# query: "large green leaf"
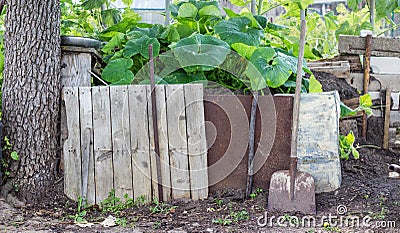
239 30
315 85
118 72
200 52
230 13
141 45
275 67
170 35
210 11
93 4
182 77
244 50
115 42
111 16
353 4
129 20
187 10
385 7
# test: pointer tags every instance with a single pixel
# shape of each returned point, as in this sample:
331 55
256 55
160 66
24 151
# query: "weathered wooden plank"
140 150
102 142
121 141
86 126
153 159
197 144
72 151
382 80
179 163
340 69
381 46
163 142
73 74
75 69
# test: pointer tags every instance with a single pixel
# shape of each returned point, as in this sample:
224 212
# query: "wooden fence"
110 142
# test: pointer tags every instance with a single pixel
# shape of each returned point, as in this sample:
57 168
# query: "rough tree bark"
31 92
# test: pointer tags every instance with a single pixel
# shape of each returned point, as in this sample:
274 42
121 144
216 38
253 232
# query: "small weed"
238 216
156 225
256 193
161 207
115 205
327 227
121 222
292 220
81 212
232 217
222 221
366 196
219 202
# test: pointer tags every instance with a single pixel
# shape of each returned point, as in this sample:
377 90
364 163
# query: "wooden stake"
387 118
367 65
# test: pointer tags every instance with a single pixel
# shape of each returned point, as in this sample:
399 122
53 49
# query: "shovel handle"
296 106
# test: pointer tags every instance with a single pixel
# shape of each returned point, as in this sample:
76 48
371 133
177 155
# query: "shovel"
292 190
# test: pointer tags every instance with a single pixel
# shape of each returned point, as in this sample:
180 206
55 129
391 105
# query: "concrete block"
382 81
318 145
392 137
396 101
394 119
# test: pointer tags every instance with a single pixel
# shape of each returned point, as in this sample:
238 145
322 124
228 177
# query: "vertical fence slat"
86 125
154 178
121 140
163 141
102 142
178 141
197 145
72 152
140 141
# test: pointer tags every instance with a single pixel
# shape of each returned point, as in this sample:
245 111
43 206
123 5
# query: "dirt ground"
366 192
367 196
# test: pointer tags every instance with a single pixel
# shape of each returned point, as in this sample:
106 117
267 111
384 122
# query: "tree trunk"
31 92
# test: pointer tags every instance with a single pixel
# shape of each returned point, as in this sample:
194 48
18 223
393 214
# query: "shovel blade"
304 193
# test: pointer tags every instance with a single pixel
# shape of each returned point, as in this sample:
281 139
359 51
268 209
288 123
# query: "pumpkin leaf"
230 13
238 30
273 66
182 77
244 50
187 10
210 10
116 41
141 45
200 52
111 16
117 72
129 20
315 85
92 4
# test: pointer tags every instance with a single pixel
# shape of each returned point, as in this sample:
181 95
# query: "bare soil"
366 190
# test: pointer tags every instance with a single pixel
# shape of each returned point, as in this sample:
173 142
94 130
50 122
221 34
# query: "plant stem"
260 5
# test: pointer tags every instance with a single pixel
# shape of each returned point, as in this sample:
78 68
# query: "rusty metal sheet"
227 129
